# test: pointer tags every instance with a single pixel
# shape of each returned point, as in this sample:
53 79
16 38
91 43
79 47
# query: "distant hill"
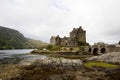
31 43
13 39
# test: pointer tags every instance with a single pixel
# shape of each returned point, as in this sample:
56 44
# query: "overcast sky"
40 19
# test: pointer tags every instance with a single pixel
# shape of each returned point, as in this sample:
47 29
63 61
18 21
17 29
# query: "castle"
79 35
76 35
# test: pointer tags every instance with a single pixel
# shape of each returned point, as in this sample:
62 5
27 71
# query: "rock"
55 77
113 57
113 74
59 63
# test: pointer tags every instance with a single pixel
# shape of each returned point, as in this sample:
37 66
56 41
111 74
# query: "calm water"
18 56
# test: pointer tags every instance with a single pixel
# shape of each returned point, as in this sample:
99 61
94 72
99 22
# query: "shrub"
80 43
56 48
49 47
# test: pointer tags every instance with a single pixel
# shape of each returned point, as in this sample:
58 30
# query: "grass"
99 64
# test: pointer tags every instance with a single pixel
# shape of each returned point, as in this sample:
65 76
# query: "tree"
49 47
80 43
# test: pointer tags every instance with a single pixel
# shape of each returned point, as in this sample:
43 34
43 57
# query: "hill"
31 43
13 39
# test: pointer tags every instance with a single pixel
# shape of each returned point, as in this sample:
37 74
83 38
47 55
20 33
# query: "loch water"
18 55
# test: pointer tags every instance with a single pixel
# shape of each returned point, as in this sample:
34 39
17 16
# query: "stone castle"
79 35
76 35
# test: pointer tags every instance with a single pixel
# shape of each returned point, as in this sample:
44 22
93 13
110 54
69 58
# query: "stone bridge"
101 49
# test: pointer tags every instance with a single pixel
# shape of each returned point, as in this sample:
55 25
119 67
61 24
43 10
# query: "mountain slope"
31 43
10 39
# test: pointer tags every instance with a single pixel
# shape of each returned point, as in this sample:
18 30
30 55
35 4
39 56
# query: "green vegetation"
99 64
56 48
49 46
52 47
13 39
10 39
82 43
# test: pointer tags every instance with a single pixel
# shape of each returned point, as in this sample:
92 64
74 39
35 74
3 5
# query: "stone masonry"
76 35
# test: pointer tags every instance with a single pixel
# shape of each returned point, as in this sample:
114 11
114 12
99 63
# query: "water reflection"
17 51
16 56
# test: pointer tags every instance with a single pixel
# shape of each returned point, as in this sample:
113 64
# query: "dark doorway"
89 50
103 50
66 44
95 51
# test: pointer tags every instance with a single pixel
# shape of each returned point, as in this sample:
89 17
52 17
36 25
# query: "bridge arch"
95 51
103 50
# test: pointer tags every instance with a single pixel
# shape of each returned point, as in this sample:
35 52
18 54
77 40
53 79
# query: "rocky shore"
63 68
113 57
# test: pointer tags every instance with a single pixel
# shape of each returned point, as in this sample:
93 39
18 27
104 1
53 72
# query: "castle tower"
77 35
58 40
81 35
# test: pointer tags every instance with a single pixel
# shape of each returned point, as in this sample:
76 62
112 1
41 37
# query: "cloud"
40 19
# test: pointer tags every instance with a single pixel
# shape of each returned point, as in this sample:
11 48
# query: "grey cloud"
39 19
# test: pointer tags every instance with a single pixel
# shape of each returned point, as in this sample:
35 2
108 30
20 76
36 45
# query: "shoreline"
56 68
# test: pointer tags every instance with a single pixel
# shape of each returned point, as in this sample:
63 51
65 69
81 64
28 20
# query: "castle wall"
53 40
65 42
58 40
81 37
76 35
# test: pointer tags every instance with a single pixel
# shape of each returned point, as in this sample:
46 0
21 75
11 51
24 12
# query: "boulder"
113 57
59 63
